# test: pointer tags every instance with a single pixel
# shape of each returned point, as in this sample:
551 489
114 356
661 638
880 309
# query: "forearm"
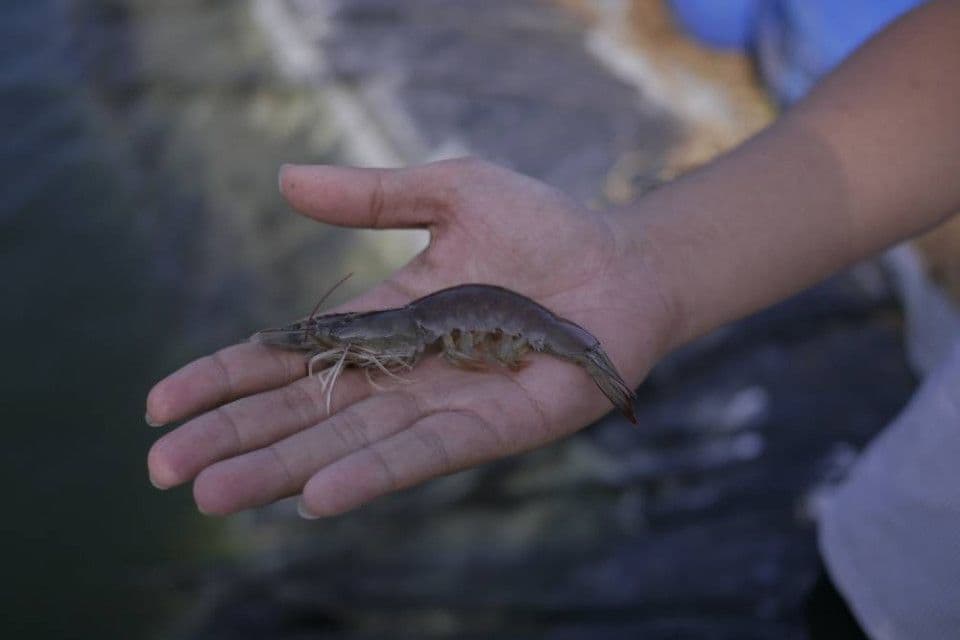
871 157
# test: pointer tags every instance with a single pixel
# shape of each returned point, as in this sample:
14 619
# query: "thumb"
353 197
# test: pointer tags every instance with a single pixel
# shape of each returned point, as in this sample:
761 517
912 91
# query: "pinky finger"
436 445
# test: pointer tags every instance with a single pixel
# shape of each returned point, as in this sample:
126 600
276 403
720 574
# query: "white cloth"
890 535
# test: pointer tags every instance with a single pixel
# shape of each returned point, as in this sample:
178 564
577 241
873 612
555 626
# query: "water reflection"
138 216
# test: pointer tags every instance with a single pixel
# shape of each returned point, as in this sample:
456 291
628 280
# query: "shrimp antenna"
327 295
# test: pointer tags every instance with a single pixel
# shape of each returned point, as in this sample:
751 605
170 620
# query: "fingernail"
305 513
156 484
151 421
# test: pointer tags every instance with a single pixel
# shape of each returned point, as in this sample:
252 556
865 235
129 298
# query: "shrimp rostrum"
473 325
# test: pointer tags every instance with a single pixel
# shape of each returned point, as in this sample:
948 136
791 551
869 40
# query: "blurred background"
140 227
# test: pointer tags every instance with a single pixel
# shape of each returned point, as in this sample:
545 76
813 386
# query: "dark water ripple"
87 540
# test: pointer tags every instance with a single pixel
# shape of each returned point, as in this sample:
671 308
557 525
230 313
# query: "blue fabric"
796 41
724 24
799 41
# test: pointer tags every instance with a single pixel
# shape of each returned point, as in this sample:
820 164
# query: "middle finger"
282 468
247 424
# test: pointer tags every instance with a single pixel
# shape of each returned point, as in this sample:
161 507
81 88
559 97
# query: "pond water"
137 209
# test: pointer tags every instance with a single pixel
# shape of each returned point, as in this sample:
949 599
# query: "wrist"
646 265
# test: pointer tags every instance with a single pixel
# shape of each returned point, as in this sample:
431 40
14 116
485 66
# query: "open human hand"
257 428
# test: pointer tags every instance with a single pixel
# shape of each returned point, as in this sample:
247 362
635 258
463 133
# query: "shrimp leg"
509 351
458 357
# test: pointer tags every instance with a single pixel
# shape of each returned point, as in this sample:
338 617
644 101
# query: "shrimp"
473 325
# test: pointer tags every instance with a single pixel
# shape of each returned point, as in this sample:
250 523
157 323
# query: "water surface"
138 206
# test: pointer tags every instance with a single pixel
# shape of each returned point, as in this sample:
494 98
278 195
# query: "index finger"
246 368
228 374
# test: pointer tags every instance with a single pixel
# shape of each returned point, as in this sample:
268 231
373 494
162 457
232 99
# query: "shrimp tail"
606 376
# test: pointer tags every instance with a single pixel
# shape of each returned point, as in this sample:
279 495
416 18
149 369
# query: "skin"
869 158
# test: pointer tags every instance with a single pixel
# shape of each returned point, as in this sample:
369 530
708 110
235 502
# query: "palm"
263 433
